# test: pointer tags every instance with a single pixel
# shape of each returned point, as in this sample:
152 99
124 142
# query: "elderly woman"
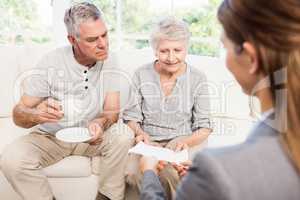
263 54
171 104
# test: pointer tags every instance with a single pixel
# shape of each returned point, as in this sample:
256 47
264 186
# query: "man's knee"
120 133
11 160
16 157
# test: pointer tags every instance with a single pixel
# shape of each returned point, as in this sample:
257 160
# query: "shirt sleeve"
205 180
133 111
151 187
201 107
36 81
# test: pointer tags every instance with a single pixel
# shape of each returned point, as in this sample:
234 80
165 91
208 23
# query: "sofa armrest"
9 132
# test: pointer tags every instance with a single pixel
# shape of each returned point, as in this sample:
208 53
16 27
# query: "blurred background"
130 21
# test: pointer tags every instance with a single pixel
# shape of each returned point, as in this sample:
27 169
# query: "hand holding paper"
160 153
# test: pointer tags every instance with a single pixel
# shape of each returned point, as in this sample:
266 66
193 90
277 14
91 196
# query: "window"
131 21
138 19
109 9
25 22
140 15
203 24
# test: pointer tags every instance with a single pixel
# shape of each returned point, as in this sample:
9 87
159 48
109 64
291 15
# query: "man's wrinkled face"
93 40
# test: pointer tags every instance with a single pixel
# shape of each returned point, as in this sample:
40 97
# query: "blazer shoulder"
206 180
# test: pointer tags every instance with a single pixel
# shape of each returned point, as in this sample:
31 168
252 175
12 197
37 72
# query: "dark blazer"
258 169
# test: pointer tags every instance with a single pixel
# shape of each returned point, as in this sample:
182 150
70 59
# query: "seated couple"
168 108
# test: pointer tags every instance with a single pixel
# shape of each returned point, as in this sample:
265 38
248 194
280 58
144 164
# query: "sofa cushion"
73 188
95 165
69 188
72 166
9 132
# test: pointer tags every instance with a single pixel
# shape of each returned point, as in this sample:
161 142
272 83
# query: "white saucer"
74 134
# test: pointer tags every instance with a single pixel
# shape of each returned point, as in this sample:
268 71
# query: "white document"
160 153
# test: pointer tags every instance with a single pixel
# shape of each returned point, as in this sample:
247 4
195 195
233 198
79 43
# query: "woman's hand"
182 168
144 137
149 163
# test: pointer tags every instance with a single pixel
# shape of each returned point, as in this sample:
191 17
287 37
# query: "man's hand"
144 137
48 110
96 131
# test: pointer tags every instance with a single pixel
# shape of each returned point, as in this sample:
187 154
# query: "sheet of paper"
160 153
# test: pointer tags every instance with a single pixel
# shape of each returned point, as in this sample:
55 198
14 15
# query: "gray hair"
79 13
169 28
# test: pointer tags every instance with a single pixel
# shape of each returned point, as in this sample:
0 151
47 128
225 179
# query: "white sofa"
75 177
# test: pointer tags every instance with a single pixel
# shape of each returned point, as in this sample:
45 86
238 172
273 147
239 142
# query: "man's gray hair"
169 28
80 13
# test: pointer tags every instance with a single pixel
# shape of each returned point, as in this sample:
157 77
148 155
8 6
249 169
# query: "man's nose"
101 42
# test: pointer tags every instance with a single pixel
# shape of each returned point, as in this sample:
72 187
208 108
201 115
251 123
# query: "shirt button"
85 71
86 79
86 87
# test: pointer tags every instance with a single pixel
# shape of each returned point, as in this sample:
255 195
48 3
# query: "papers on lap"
160 153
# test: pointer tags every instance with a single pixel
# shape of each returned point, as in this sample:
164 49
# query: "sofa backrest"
14 60
227 98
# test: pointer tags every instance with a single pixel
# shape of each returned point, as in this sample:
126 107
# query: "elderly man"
83 71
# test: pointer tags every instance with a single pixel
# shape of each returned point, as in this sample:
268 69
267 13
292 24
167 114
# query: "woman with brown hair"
262 40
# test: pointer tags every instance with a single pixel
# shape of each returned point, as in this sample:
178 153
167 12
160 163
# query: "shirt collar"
266 114
181 76
80 67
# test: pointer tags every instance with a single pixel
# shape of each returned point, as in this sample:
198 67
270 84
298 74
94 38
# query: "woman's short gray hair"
79 13
169 28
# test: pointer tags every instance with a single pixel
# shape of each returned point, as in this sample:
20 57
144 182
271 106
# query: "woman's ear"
251 54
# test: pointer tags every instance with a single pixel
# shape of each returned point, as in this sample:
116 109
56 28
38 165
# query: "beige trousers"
168 176
22 160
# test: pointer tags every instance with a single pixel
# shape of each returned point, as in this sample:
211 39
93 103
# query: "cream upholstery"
72 167
75 177
9 131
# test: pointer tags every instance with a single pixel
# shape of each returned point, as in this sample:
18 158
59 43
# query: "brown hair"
273 27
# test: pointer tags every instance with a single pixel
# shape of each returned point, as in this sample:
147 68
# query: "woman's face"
171 54
240 64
